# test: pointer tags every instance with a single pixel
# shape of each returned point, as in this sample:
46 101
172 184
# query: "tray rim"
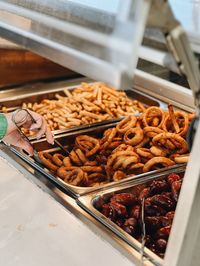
76 191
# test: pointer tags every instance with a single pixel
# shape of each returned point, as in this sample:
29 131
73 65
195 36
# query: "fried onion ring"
67 162
133 136
126 124
158 151
144 152
157 160
108 137
181 143
176 121
152 131
183 158
58 159
74 176
87 144
88 168
118 175
47 160
150 114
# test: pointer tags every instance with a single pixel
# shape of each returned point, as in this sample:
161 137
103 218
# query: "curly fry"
157 160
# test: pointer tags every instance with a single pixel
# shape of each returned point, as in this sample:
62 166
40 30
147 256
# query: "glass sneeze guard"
94 38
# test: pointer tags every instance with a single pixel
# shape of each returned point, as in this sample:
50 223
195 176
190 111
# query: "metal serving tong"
19 117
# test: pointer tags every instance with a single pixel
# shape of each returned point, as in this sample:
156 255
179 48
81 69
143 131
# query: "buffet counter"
37 230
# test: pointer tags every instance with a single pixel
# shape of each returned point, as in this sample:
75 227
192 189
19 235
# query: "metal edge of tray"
71 85
86 203
76 191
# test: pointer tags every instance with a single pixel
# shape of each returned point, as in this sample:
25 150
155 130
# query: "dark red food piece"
168 194
124 199
145 193
164 221
158 186
109 212
163 201
173 177
152 223
152 247
130 226
152 209
163 232
135 212
99 203
120 222
161 245
120 209
160 199
170 215
176 187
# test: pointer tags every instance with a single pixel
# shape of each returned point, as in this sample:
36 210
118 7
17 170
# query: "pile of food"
136 145
152 207
89 103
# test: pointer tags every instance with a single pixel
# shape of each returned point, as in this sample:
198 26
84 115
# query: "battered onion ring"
152 131
108 137
142 143
113 145
150 114
157 160
123 147
74 176
158 151
96 177
144 152
117 159
64 170
136 166
88 168
77 178
67 162
183 158
118 175
136 138
126 124
81 155
181 142
174 118
87 144
58 159
75 158
91 163
47 160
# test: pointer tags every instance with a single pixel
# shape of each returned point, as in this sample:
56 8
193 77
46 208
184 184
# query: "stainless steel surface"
164 90
88 202
68 140
42 226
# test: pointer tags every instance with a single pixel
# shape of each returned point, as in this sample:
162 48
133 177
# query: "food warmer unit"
89 38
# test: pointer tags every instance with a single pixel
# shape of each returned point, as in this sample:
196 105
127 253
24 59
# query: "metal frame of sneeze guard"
184 241
161 16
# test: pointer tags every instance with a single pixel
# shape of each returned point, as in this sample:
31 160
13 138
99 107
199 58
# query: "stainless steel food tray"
87 202
67 139
14 98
